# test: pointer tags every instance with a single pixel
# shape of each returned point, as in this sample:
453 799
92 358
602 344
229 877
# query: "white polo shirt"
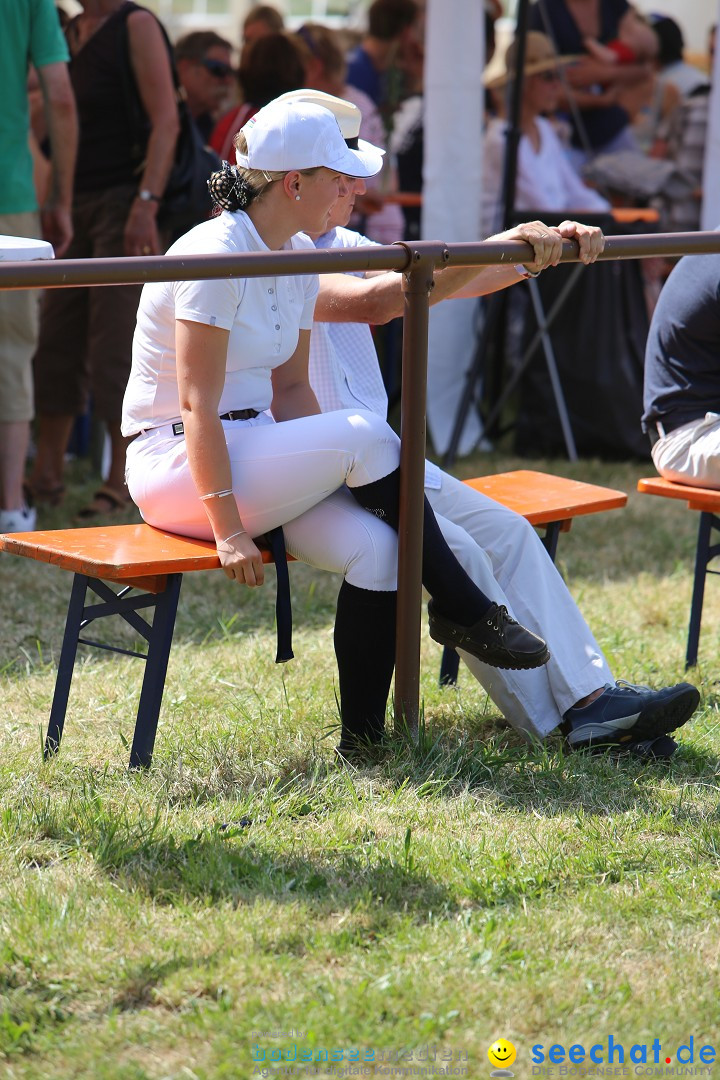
263 315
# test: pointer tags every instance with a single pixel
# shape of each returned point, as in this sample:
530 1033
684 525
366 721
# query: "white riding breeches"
290 474
505 558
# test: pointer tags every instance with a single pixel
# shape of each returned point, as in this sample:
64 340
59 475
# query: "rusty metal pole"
417 283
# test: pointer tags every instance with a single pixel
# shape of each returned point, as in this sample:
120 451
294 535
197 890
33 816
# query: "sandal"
43 496
105 501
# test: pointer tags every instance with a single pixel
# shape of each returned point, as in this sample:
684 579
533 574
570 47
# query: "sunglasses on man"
217 68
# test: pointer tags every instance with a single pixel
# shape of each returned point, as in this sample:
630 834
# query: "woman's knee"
377 447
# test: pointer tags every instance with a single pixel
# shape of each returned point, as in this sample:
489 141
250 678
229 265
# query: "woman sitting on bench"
210 357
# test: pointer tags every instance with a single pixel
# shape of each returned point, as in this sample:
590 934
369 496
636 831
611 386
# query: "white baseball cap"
298 134
345 112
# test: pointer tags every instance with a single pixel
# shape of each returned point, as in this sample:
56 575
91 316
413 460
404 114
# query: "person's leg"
524 698
460 613
112 316
281 470
576 691
19 319
14 442
60 369
535 594
337 535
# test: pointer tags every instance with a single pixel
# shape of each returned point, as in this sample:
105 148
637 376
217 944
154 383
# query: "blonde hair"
258 179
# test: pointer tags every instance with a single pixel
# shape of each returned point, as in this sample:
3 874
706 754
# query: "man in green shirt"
31 35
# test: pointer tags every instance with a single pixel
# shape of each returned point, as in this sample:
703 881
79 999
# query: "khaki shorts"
19 320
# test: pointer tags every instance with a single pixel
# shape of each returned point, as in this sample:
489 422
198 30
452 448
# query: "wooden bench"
148 565
133 569
707 502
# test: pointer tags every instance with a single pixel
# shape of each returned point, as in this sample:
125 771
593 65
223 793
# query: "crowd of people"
233 408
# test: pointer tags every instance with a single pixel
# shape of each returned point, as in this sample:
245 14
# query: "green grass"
447 894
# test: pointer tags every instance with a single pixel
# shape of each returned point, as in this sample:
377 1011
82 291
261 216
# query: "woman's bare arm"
292 394
151 66
201 354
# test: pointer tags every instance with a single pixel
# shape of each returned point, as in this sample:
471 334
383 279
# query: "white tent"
454 60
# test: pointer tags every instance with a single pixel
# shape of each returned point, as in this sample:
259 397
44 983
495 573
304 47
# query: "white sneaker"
22 520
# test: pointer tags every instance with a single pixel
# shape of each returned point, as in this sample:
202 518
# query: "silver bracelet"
231 537
215 495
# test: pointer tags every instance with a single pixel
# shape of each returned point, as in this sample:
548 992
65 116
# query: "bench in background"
707 502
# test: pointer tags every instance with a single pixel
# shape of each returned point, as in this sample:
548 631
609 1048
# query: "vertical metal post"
416 287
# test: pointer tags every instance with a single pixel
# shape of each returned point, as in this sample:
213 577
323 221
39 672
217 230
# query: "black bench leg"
159 643
702 557
65 666
449 667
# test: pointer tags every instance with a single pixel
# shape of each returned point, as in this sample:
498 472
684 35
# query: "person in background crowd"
672 66
686 139
120 176
545 178
31 34
501 552
260 20
594 84
389 23
273 65
326 72
204 66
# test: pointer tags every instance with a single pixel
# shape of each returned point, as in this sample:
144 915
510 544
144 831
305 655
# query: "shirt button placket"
273 307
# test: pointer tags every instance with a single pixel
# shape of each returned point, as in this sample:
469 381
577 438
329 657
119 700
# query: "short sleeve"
312 285
213 302
47 43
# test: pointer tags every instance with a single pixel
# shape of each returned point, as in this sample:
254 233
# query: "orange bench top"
698 498
131 553
542 498
125 553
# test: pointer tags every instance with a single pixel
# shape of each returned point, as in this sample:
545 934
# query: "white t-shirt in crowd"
344 369
545 178
263 315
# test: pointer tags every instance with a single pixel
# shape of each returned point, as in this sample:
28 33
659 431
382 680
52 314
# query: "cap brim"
367 160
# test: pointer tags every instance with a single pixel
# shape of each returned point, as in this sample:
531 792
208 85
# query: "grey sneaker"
627 715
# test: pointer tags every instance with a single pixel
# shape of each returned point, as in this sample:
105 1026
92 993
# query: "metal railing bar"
66 273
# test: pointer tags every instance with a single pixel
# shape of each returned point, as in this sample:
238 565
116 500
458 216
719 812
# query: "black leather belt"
237 414
240 414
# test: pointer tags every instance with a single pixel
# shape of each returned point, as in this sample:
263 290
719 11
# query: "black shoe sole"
661 721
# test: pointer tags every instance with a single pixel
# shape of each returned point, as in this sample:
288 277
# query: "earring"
297 198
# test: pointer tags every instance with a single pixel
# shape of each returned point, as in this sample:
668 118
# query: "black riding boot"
365 650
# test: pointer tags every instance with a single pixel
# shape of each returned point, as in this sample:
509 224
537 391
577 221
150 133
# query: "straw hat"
540 56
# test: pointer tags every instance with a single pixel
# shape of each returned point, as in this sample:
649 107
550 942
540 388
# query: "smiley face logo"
501 1054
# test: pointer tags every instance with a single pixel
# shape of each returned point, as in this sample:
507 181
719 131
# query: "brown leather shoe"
496 639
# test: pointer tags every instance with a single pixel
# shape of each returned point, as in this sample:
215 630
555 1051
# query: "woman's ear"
291 184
